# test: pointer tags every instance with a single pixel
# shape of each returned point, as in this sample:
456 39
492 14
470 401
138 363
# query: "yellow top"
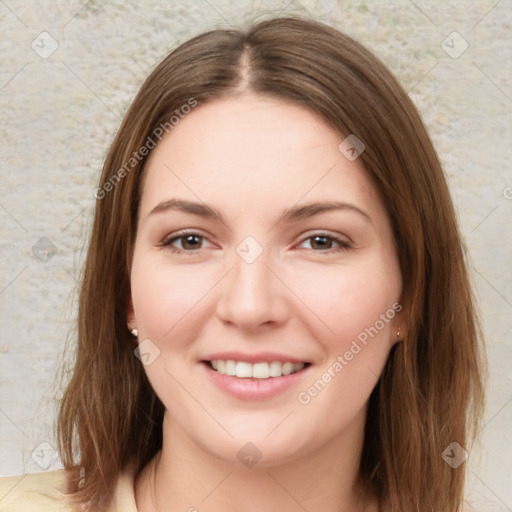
45 492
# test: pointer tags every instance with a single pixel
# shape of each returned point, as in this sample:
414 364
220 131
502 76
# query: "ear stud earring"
398 333
134 332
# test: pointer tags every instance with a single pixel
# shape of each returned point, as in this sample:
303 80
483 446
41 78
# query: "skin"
253 158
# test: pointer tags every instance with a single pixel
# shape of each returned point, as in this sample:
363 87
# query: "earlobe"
400 322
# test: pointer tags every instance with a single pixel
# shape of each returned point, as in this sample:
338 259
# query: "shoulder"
34 491
47 492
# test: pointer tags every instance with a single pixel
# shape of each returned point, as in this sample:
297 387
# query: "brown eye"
185 242
190 242
324 243
321 242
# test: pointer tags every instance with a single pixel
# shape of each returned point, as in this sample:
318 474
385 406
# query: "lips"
254 376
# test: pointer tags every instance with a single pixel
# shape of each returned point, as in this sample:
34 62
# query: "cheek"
351 300
166 296
169 311
359 305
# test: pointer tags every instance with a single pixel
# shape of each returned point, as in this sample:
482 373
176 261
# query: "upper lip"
260 357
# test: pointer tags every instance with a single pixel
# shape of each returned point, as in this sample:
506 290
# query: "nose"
252 298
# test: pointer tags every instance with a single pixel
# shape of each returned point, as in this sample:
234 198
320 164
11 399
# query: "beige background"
59 111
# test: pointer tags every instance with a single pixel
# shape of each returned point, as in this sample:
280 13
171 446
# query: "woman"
275 311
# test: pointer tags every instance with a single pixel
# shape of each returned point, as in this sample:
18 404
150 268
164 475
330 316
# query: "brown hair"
431 391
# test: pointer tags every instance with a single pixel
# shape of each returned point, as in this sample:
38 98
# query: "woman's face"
260 243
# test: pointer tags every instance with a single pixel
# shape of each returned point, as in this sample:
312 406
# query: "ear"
400 322
130 315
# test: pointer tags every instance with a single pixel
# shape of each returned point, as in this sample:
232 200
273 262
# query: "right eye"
188 242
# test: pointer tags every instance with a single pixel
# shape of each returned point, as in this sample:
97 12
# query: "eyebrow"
293 214
309 210
200 209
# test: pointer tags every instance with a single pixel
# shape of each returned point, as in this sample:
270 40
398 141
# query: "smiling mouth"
263 370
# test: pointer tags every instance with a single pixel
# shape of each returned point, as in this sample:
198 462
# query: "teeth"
275 369
287 368
260 370
242 369
230 368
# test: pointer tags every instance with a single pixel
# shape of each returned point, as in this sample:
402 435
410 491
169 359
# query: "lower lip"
253 389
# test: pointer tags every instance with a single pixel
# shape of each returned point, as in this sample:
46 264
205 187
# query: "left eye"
323 243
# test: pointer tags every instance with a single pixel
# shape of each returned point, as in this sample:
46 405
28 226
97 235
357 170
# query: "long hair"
431 392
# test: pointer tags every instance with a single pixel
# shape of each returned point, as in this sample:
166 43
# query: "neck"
185 477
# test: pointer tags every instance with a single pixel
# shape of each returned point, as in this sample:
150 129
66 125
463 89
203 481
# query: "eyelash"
343 245
167 242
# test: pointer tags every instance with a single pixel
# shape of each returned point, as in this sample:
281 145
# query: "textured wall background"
68 72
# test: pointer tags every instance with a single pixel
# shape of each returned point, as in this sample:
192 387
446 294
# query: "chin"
254 449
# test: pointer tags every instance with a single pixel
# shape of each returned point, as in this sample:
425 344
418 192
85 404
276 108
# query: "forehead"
247 152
